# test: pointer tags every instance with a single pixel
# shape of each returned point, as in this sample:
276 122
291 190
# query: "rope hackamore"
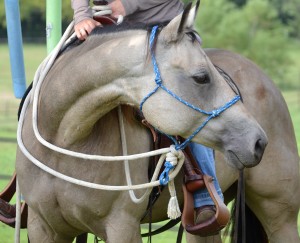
159 84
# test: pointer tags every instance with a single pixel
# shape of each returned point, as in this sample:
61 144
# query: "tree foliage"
287 13
253 30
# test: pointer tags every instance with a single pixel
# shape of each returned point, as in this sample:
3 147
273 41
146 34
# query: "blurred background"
265 31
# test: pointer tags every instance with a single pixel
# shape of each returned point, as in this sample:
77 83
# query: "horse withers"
76 111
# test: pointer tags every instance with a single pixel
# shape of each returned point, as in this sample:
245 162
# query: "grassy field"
34 54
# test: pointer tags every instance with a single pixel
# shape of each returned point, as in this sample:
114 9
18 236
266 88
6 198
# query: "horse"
77 112
272 187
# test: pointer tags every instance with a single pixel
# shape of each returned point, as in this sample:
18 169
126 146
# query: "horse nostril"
260 146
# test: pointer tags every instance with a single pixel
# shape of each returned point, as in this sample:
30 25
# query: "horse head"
189 92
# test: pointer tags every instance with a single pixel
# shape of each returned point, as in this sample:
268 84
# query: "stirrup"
213 225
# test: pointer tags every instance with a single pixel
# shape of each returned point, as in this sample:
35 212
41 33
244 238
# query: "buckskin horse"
77 111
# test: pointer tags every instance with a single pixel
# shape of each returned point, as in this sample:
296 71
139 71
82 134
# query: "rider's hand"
117 9
85 27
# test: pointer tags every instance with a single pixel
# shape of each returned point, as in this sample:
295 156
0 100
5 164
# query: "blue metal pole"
14 35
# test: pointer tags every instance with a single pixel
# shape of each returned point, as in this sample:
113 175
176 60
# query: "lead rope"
171 161
100 10
108 158
126 163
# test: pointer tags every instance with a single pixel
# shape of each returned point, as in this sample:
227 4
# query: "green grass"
34 54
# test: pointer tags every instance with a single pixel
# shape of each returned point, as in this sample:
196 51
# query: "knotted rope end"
171 162
173 208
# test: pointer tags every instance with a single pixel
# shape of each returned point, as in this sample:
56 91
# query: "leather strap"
170 224
240 214
82 238
193 176
180 234
9 191
8 214
6 209
105 20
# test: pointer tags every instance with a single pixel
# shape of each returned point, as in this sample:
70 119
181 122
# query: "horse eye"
201 79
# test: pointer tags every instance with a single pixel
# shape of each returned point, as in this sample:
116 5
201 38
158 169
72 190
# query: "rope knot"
215 113
158 81
174 155
164 176
171 161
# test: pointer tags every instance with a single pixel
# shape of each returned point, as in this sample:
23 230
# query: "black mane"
125 26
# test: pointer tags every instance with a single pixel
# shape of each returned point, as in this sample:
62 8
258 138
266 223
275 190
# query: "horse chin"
233 160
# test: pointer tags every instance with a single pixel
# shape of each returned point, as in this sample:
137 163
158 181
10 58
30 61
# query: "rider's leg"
205 159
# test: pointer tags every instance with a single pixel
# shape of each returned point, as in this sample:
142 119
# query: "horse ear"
176 28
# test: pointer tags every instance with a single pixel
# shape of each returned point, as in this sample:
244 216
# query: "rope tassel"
171 161
173 206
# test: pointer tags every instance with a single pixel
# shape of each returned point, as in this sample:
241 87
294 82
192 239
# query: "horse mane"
102 34
125 26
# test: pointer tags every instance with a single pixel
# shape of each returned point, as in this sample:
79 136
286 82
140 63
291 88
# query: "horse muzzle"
241 156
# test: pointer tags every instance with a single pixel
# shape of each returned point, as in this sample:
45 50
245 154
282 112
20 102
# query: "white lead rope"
126 163
85 183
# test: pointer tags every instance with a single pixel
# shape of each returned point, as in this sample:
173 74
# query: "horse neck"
80 89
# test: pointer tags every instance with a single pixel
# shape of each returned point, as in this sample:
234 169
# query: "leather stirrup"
214 224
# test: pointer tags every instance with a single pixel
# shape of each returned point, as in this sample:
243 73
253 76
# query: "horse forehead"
190 48
192 55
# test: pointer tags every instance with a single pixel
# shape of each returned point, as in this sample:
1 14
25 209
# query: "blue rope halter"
210 114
